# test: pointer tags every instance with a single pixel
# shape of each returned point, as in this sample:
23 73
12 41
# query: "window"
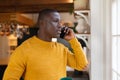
115 40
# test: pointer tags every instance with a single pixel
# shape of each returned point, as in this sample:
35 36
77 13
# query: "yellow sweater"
40 60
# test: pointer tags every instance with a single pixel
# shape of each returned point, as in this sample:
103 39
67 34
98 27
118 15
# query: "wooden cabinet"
4 50
7 46
15 18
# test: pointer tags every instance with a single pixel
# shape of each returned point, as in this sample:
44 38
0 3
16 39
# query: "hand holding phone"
63 32
67 33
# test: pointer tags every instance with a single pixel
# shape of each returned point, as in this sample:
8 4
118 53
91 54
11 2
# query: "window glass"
116 40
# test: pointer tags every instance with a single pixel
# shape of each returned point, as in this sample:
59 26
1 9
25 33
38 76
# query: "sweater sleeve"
77 59
16 66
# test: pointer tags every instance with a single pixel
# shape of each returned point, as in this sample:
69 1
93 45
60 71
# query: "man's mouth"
59 32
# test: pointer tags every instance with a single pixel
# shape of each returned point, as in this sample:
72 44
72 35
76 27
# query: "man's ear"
41 22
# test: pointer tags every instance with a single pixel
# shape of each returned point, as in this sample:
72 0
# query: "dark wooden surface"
78 75
34 6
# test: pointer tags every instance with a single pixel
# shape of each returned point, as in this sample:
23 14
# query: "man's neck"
44 37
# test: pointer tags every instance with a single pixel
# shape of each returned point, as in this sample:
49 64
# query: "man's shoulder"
27 42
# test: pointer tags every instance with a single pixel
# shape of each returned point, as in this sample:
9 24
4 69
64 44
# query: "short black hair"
45 12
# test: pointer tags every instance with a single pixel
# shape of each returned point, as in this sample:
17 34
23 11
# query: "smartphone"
62 35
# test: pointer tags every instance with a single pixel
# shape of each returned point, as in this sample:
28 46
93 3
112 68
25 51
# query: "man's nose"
60 24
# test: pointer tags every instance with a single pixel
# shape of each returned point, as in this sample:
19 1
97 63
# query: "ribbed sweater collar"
42 42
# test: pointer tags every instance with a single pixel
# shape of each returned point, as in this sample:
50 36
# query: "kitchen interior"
18 22
89 19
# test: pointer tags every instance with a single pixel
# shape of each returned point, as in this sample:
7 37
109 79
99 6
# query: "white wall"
100 40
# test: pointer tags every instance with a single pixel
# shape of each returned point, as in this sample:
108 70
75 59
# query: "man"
38 58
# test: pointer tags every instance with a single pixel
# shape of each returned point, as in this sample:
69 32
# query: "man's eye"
55 21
